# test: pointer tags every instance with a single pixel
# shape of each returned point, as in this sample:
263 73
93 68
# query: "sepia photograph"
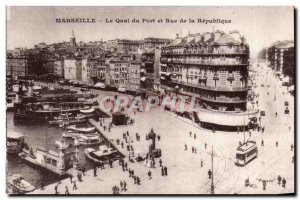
150 100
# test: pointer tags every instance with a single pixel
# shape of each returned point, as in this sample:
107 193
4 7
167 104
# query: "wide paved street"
185 175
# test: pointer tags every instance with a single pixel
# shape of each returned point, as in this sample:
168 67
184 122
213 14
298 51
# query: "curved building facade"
213 67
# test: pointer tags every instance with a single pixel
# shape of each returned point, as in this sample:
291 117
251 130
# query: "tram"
245 153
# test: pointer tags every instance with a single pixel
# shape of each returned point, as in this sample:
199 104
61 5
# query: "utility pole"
212 187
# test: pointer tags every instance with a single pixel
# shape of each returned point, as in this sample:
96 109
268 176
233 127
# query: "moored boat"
19 184
81 128
14 142
104 154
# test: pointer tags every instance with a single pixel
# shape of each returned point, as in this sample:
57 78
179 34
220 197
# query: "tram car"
246 153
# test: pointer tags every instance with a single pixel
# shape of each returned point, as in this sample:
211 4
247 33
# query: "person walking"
279 180
190 133
126 166
185 147
195 136
192 149
124 184
283 182
149 175
264 184
162 171
209 174
83 171
55 188
205 145
201 163
121 185
292 147
71 177
74 185
95 171
160 162
262 143
67 190
166 171
276 143
42 186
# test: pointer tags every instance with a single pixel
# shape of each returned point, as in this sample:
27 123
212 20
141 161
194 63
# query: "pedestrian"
153 162
74 185
289 128
71 177
195 136
283 182
160 162
185 147
205 145
122 144
276 143
192 149
135 180
201 162
67 190
149 175
209 174
118 141
158 137
138 180
110 163
279 180
79 177
264 184
127 133
125 184
42 186
262 143
195 151
126 166
121 185
162 171
95 171
292 147
83 171
190 133
55 188
166 171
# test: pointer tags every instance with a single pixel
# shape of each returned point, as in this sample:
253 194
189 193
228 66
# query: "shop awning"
168 74
100 85
226 119
143 78
162 77
122 89
88 110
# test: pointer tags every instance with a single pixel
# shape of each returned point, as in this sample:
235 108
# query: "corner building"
212 67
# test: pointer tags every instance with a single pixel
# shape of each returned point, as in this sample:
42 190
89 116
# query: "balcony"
202 62
217 100
206 52
222 89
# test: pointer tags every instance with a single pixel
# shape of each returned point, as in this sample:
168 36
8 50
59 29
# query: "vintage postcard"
150 100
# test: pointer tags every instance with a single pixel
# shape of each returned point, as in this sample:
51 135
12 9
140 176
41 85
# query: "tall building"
212 67
281 58
70 68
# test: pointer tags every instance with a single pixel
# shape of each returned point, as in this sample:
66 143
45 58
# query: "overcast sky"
261 26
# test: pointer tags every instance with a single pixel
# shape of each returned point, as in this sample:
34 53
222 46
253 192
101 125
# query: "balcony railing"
217 100
202 62
223 89
206 52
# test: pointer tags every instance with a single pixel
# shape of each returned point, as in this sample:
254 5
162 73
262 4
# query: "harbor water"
37 134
